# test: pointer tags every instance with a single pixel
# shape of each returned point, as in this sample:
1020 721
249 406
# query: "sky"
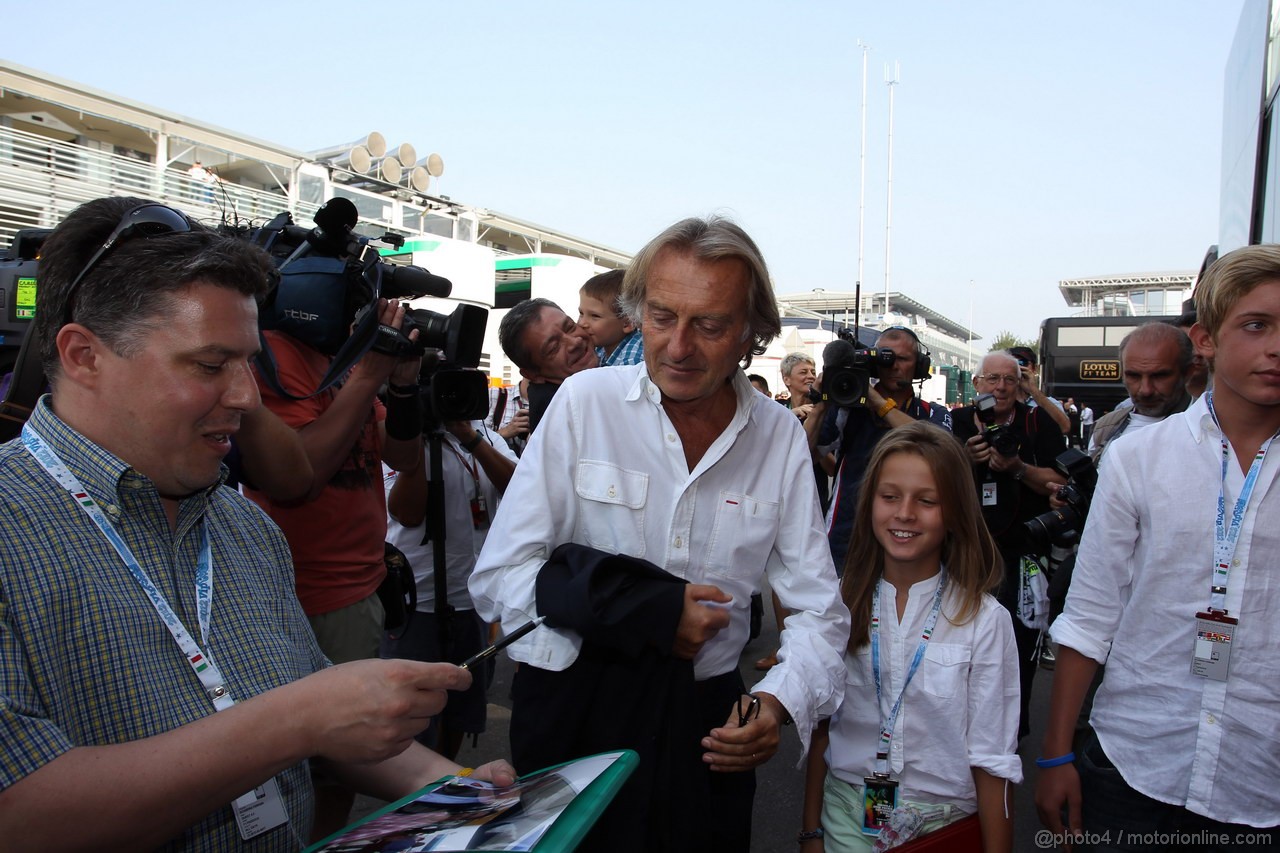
1031 142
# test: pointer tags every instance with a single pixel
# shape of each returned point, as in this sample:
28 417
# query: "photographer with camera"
858 427
159 687
1012 449
476 466
1029 392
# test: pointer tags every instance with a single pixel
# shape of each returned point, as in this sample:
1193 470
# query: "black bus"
1079 358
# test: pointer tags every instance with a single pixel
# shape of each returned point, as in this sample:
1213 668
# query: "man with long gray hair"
643 547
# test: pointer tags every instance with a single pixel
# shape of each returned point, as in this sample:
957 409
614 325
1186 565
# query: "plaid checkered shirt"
84 658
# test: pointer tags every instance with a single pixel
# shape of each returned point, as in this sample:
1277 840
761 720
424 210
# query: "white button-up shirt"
1142 574
960 710
606 468
464 480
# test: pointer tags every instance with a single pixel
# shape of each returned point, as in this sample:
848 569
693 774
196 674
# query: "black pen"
502 644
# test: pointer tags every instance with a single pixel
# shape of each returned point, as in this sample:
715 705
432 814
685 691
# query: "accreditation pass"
259 810
1212 655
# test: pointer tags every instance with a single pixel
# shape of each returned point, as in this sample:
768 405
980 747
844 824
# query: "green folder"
575 817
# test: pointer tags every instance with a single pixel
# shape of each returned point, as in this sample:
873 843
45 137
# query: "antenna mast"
891 80
862 176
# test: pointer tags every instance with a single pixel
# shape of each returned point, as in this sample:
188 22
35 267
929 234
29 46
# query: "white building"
63 143
1153 294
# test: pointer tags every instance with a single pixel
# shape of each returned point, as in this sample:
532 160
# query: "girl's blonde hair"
969 553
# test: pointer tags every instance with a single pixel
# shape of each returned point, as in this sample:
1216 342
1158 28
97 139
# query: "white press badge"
263 807
259 810
1213 645
989 493
1211 655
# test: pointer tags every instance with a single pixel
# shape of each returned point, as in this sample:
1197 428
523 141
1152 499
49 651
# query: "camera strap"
362 336
351 351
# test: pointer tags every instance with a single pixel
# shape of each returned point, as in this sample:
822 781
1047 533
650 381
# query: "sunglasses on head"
145 220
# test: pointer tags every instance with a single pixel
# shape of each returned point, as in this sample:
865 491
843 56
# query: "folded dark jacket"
620 602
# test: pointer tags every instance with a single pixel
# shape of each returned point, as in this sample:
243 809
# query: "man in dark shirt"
1013 488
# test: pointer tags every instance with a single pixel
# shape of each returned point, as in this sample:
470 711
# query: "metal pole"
862 169
890 79
970 365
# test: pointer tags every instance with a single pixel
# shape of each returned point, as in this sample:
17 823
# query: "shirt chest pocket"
611 504
743 535
945 669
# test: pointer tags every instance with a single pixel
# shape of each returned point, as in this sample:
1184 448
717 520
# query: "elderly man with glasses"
1014 485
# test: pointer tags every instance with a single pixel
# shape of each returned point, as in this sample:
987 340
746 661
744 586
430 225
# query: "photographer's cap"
1026 354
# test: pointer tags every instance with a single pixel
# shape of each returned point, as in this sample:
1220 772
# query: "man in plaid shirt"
156 671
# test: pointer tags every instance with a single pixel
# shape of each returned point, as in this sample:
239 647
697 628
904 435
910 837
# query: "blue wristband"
1055 762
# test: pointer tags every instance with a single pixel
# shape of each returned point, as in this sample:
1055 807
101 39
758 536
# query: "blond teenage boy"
1174 590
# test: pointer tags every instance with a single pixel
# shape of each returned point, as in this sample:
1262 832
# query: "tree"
1005 340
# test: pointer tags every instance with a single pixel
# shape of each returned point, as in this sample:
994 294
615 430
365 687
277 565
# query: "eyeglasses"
997 378
145 220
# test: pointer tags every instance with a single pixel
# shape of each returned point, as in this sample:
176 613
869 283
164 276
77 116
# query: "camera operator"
890 403
1012 460
337 532
476 466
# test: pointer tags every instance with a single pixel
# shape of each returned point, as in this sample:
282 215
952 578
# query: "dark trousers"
672 802
1118 818
1027 639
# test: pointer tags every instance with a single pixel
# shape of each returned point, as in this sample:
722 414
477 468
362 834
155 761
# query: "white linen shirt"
606 468
960 710
462 542
1142 574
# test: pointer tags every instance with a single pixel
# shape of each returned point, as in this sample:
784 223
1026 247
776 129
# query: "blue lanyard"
201 663
1227 537
886 727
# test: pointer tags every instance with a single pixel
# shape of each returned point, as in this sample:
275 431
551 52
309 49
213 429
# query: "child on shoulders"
616 338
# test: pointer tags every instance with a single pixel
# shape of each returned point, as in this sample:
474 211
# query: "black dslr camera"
1063 526
999 436
847 371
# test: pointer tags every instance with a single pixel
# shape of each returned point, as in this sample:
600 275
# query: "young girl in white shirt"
929 721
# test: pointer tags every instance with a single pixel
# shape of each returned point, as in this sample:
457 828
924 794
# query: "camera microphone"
414 282
334 221
836 352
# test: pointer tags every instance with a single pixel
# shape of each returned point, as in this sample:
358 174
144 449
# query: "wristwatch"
809 835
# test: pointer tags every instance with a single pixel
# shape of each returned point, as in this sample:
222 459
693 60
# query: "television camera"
847 370
330 279
20 372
